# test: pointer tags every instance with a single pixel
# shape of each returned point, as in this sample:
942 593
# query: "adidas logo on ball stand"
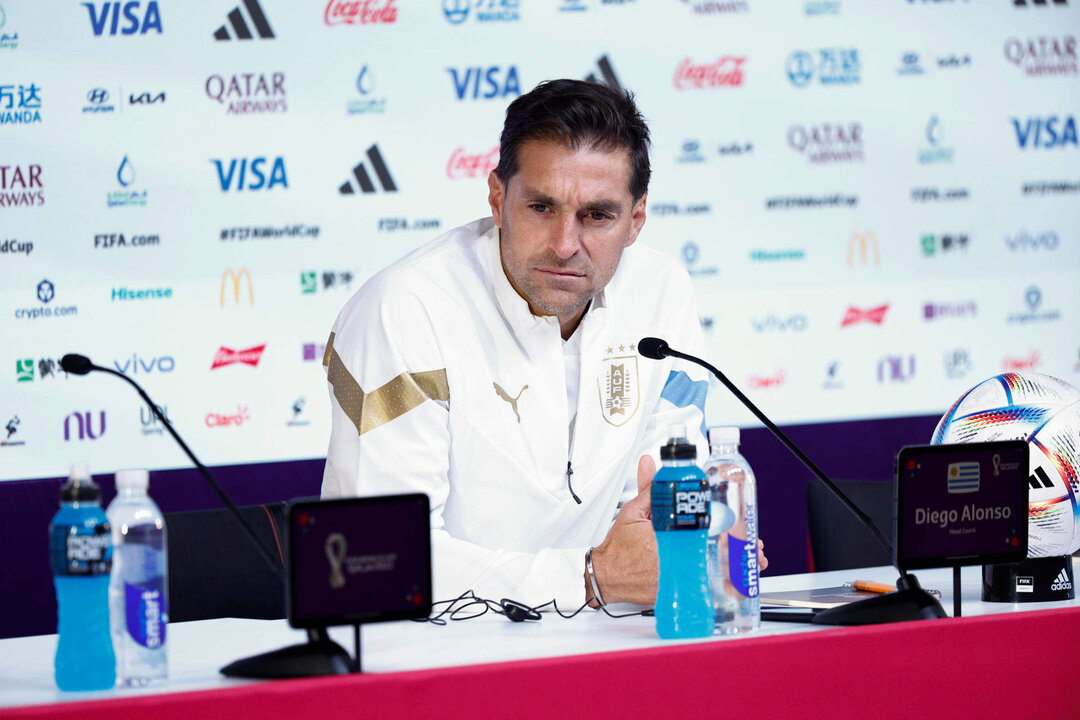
1046 579
1062 581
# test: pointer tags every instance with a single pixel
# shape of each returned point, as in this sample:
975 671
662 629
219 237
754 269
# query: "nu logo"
240 26
85 426
512 400
863 249
101 22
364 180
607 75
238 169
236 277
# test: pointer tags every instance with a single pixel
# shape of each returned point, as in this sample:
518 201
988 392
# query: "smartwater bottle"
80 552
733 537
138 594
680 517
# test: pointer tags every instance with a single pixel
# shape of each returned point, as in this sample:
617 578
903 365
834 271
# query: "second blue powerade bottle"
680 517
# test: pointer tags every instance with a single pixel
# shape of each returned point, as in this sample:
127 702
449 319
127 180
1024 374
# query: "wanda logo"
725 72
228 356
360 12
467 165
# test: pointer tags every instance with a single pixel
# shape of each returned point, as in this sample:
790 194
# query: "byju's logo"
895 369
725 71
873 316
458 11
1045 132
248 93
236 277
362 12
20 104
485 83
368 102
797 322
1033 297
830 66
227 356
1042 56
363 180
137 364
1024 240
84 426
128 196
464 164
941 311
827 143
250 174
313 352
935 136
15 178
691 255
934 244
240 26
106 18
607 74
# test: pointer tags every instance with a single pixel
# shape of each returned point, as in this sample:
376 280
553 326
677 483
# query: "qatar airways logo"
236 419
875 315
360 12
725 71
463 164
228 356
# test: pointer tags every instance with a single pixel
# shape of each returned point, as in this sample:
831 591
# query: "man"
495 368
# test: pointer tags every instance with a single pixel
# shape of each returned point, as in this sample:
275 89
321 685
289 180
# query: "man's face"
564 220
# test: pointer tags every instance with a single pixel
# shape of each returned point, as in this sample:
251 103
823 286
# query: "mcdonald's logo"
236 277
862 250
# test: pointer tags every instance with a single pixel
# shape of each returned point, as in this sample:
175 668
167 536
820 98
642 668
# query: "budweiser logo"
466 165
727 71
873 315
360 12
1020 364
228 356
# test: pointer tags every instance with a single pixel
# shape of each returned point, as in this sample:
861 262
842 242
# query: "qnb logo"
1061 582
725 71
1046 132
240 26
360 174
896 369
84 426
251 174
235 277
774 323
607 75
485 83
359 12
227 356
236 419
874 316
125 18
1024 240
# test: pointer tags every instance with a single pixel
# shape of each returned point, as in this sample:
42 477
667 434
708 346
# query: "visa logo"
107 18
1047 132
477 83
250 175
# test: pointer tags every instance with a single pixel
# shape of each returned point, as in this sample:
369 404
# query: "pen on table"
880 588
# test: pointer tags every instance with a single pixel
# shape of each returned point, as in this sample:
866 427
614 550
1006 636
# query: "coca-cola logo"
228 356
236 419
727 71
463 164
360 12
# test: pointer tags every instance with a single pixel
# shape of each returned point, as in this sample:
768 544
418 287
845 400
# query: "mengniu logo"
607 74
862 250
485 83
239 24
367 103
235 277
934 244
725 71
235 419
363 180
463 164
11 428
829 66
80 426
250 174
227 356
828 142
46 368
458 11
20 186
124 18
360 12
20 104
331 280
248 93
1043 56
873 316
128 196
1046 132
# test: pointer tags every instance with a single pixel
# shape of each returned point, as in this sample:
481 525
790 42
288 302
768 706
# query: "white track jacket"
443 382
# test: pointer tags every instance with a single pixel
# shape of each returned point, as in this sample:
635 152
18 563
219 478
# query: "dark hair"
577 113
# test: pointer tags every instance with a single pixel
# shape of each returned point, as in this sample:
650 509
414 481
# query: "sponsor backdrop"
879 203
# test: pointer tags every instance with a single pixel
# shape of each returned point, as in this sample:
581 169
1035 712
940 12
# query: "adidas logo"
240 26
360 173
1061 582
1039 480
607 75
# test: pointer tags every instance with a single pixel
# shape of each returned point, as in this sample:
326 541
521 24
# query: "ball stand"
1032 580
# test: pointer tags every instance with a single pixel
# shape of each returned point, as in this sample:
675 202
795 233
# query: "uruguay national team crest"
618 387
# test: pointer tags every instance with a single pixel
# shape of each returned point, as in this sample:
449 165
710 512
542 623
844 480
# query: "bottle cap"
138 479
723 436
677 446
80 487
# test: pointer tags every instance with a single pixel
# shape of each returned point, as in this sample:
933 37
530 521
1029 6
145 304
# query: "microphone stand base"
908 602
319 656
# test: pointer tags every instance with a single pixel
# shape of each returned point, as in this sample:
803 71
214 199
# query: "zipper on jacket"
569 486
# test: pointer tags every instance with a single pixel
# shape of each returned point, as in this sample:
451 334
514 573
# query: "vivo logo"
1023 240
793 323
476 83
84 425
250 174
137 364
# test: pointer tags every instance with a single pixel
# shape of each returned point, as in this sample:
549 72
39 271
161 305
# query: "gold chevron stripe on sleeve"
369 410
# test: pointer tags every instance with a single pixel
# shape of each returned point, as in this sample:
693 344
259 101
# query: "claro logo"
236 419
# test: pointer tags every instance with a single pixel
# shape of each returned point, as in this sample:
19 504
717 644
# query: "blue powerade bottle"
80 550
680 517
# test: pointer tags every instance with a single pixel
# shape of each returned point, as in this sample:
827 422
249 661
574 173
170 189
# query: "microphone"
909 602
76 364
